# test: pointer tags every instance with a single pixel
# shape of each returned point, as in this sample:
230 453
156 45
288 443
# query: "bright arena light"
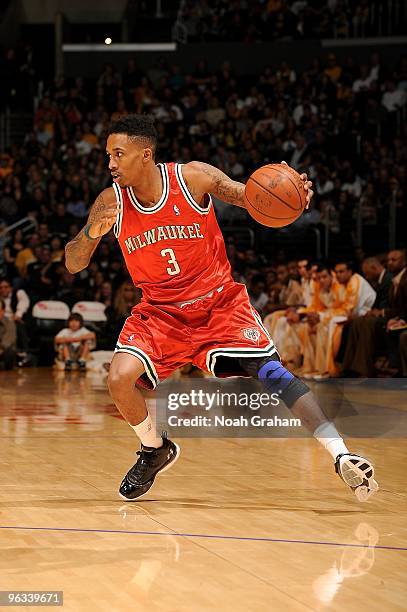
108 41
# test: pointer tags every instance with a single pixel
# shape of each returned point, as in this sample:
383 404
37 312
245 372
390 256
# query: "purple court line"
202 535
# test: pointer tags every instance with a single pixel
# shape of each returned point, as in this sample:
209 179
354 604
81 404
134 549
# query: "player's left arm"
203 178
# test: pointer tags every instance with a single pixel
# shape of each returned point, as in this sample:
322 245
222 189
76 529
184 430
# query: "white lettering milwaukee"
162 232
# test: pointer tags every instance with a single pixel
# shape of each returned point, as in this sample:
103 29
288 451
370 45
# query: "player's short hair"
75 316
137 127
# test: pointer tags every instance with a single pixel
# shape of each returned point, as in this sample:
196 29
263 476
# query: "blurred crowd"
342 122
249 22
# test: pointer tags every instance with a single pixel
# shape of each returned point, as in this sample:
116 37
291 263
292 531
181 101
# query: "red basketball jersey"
174 251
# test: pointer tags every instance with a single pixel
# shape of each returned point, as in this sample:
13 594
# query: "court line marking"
203 535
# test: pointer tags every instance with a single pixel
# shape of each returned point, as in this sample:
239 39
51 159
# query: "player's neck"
149 187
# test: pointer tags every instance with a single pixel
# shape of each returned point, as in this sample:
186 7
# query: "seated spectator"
126 297
74 343
11 250
26 256
367 335
312 333
281 324
257 296
285 292
41 276
7 340
403 353
381 280
16 305
351 295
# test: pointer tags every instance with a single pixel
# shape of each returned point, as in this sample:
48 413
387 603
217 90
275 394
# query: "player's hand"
307 186
102 217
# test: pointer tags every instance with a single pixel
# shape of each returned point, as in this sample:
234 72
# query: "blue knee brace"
277 379
275 376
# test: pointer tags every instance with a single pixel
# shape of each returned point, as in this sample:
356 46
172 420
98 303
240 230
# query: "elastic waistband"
200 298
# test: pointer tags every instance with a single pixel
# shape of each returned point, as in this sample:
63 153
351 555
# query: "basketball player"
192 310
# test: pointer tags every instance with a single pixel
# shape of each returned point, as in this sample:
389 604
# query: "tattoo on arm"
80 249
223 187
97 209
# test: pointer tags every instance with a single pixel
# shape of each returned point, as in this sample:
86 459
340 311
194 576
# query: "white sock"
328 436
147 434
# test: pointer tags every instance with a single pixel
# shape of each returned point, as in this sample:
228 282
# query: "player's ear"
148 154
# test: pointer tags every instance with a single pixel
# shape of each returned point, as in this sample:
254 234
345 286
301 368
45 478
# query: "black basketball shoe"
152 461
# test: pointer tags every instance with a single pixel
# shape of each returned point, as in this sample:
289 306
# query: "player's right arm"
102 217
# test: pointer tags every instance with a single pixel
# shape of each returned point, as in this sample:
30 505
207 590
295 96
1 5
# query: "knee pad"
277 379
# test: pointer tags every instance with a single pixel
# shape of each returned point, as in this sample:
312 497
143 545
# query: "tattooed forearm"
79 251
81 248
97 209
221 186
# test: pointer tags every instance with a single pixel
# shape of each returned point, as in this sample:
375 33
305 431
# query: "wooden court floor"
237 524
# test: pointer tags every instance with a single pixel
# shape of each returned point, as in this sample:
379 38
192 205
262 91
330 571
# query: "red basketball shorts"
210 332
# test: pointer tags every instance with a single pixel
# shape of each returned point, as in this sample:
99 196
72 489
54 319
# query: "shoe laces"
142 463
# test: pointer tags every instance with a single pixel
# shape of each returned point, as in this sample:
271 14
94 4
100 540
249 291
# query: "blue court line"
202 535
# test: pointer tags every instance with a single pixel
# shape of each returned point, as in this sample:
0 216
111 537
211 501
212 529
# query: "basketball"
275 195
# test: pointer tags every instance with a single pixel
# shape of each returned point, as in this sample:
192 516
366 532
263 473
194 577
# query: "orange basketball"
275 195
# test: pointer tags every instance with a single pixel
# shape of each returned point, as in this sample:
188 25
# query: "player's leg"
157 453
356 471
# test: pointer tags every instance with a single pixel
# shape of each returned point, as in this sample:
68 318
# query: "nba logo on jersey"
131 337
251 333
176 209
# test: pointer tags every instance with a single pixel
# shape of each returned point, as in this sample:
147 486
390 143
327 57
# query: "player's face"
128 159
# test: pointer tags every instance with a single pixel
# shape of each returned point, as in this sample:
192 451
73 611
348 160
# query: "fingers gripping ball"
275 195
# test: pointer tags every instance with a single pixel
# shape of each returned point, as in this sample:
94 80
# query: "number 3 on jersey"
172 260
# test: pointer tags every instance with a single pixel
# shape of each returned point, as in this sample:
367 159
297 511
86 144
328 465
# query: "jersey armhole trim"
187 194
119 197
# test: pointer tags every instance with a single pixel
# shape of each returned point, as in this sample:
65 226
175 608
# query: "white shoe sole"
167 467
356 478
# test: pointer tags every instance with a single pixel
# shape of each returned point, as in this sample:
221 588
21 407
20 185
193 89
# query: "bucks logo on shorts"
251 333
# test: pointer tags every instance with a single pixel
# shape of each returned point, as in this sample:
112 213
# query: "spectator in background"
74 343
16 304
403 353
26 256
381 280
367 335
127 296
258 297
285 292
11 250
7 340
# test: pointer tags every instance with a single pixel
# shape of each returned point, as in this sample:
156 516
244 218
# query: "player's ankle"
147 434
328 436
